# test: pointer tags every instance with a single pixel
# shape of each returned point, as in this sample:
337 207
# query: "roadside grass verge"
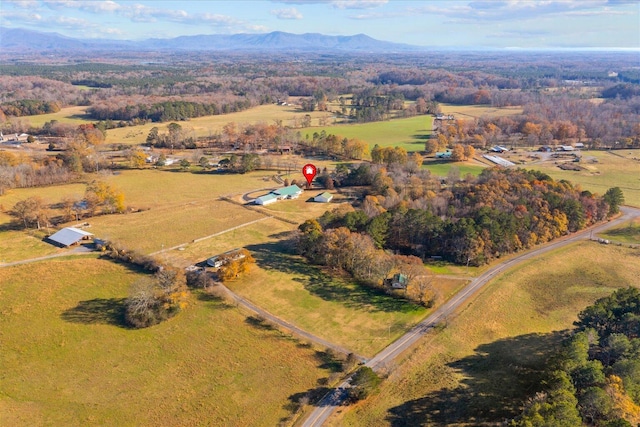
16 245
487 360
628 233
67 360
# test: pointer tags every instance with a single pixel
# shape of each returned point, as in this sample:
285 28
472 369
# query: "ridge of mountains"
18 39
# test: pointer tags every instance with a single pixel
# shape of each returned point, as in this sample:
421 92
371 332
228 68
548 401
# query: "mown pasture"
465 112
610 170
487 359
67 359
409 133
442 168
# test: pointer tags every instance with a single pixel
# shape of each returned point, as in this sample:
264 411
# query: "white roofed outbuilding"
69 236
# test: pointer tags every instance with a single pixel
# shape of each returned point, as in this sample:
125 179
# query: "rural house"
290 192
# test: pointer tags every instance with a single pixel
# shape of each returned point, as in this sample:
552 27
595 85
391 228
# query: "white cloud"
24 4
497 10
339 4
358 4
291 13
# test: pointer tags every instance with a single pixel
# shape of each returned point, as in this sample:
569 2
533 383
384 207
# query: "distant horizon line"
438 47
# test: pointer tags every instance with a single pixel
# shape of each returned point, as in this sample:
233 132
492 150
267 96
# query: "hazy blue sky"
489 23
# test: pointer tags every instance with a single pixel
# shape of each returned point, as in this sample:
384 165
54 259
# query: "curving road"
336 397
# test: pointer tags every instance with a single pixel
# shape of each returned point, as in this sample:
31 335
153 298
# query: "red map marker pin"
309 172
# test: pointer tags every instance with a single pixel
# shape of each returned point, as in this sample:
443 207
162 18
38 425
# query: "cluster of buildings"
290 192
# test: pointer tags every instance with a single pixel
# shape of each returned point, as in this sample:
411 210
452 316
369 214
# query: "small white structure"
323 197
565 148
267 199
69 236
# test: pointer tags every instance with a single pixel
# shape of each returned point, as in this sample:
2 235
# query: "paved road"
336 398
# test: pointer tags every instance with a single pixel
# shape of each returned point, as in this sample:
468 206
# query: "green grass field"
628 233
487 360
409 133
354 316
442 168
71 115
609 171
66 359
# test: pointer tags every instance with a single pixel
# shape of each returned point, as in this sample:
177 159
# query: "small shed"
323 197
398 281
266 199
69 236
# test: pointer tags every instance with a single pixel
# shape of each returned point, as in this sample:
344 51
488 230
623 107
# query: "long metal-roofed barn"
69 236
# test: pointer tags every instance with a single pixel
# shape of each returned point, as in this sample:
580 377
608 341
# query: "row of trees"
595 379
99 198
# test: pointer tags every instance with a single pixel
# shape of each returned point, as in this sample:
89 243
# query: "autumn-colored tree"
457 153
136 157
100 194
469 152
234 264
32 211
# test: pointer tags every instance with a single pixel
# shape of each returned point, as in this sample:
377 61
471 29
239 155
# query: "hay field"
486 361
210 125
610 170
71 115
476 111
66 359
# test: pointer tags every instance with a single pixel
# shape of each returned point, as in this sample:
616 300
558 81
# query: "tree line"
594 379
470 221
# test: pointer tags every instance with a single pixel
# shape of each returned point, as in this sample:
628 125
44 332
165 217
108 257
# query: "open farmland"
66 359
210 125
70 115
476 111
488 358
409 133
610 170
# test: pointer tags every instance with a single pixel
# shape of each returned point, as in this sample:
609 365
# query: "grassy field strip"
200 239
288 326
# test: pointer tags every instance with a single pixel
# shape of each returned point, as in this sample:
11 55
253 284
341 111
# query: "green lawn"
409 133
338 310
628 233
488 359
66 359
442 168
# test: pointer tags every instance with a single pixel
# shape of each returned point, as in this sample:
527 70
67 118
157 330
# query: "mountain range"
21 40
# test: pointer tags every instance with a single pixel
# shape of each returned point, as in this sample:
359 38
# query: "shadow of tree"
275 256
108 311
498 378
